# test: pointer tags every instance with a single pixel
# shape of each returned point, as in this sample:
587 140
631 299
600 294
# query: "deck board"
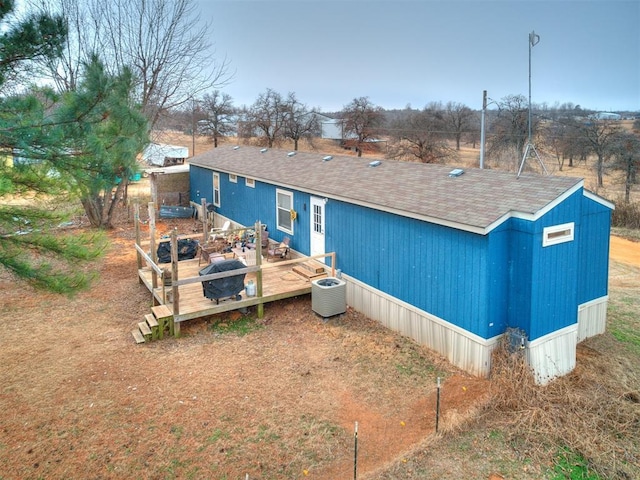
279 281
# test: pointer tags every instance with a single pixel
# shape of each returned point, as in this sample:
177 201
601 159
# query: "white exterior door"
317 227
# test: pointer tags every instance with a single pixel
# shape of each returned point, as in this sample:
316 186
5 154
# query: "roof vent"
456 172
327 158
375 163
263 150
237 147
291 154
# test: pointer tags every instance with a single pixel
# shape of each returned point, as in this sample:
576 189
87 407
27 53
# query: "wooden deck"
279 281
184 298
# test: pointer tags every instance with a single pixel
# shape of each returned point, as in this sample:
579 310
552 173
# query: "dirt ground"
81 400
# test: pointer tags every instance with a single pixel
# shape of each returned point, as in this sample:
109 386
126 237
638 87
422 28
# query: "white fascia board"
598 199
532 217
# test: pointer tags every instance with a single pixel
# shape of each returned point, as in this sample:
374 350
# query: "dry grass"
590 411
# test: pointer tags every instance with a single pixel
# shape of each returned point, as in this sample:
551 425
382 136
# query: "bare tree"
160 40
457 119
418 135
300 122
509 128
268 115
362 120
219 115
626 154
472 135
599 137
81 42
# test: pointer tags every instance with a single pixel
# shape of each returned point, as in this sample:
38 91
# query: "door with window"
317 246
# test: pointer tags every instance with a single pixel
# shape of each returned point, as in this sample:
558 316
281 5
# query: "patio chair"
221 230
264 240
279 250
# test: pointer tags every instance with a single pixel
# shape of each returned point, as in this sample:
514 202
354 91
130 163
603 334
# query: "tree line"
565 132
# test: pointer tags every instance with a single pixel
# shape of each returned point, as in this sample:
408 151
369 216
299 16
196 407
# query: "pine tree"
56 149
103 134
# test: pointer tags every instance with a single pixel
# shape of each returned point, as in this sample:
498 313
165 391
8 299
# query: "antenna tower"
530 149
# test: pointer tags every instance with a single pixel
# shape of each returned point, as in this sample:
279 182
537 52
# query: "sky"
413 52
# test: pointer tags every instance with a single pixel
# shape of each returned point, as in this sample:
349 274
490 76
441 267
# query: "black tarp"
223 287
187 249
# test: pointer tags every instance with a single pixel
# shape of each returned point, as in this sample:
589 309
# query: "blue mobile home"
450 258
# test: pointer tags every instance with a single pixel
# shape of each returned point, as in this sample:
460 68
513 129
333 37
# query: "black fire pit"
222 288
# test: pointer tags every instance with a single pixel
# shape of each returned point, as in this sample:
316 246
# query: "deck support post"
258 240
205 220
136 221
174 328
152 247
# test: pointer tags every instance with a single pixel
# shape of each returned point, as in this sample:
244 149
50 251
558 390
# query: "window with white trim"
233 178
216 189
558 234
284 209
250 182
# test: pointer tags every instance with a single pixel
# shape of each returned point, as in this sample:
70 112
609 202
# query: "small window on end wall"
250 182
233 178
557 234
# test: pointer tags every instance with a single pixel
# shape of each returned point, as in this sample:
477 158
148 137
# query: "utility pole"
193 127
533 41
484 109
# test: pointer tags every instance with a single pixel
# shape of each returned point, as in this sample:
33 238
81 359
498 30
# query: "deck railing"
150 259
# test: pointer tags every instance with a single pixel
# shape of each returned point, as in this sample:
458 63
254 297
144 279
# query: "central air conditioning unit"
329 296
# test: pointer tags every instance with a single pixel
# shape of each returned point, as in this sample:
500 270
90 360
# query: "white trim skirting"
463 349
550 356
592 318
553 355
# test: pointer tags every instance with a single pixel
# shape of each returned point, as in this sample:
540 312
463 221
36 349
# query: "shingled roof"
478 200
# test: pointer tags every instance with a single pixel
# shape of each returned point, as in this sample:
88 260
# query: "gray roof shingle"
473 201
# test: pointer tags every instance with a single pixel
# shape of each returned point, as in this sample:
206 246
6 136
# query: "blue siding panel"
593 260
247 205
544 279
498 280
440 270
201 184
520 274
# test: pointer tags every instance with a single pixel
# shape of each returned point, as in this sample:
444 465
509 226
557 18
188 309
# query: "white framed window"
216 189
233 178
284 209
558 234
250 182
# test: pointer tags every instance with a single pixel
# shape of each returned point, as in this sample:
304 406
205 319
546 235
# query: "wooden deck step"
308 274
162 312
144 328
153 324
152 321
313 267
163 315
138 337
